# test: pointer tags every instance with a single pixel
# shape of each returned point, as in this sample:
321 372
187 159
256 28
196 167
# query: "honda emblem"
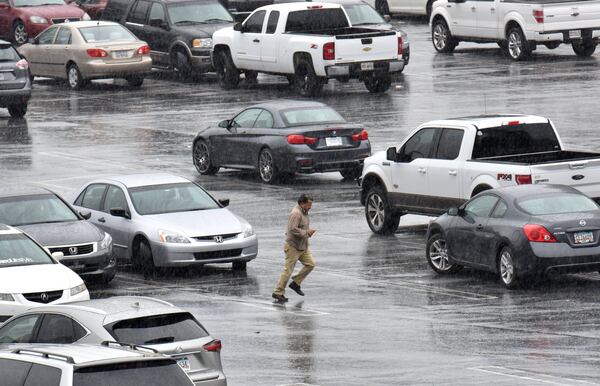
218 239
73 250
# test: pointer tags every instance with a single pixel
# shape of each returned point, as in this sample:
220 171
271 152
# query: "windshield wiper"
164 339
215 20
189 21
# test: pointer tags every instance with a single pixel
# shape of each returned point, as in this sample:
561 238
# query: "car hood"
201 30
37 278
52 11
198 223
63 233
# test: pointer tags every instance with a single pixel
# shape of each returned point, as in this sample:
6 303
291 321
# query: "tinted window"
481 206
255 22
264 120
515 139
93 196
157 12
18 249
139 12
161 372
34 3
19 330
500 209
41 375
310 116
272 23
107 33
115 198
449 145
7 53
419 145
58 329
190 13
246 118
556 204
47 37
170 198
13 372
38 209
63 36
316 20
158 329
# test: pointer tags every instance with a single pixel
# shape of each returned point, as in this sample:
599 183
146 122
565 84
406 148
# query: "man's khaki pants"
292 255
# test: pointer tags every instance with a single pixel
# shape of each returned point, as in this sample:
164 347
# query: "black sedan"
279 139
15 81
518 232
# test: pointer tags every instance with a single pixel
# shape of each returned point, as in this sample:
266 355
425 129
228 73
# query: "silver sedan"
162 220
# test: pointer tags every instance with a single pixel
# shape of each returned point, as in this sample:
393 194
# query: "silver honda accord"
162 220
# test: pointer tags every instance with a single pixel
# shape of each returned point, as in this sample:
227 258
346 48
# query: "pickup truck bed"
540 158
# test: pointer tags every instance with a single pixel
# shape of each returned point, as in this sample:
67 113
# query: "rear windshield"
557 204
158 329
514 140
18 249
8 54
106 33
156 372
311 116
34 209
314 20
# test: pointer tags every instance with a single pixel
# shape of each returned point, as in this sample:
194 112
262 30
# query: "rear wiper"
164 339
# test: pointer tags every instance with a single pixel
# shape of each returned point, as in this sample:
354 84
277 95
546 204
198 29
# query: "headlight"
86 17
38 20
6 298
202 43
171 237
79 289
106 241
247 229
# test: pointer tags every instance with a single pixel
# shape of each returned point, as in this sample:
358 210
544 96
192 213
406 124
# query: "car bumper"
560 36
563 258
21 304
354 70
92 266
201 379
201 60
302 159
95 69
16 96
209 252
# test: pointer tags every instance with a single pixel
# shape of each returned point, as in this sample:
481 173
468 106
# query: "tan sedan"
85 50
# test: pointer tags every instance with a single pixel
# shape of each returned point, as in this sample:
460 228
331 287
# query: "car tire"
238 266
267 168
306 81
20 35
584 48
227 72
382 7
251 77
381 218
518 46
351 173
107 278
503 44
182 64
506 268
441 37
145 258
135 81
202 160
378 84
437 255
17 111
74 78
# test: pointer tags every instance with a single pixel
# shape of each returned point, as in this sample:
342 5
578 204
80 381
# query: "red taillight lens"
97 53
214 346
144 50
538 15
538 234
400 46
523 179
299 139
362 136
22 64
329 51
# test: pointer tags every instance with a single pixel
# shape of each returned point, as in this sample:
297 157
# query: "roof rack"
44 354
132 346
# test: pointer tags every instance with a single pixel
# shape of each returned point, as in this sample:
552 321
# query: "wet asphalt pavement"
374 312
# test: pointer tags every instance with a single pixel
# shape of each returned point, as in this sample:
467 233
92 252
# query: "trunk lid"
570 15
365 45
579 230
584 175
332 137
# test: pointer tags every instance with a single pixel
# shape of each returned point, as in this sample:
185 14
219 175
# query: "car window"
58 329
481 206
41 375
556 204
198 12
155 372
115 198
449 144
515 139
310 116
272 22
255 23
19 250
19 330
8 54
500 210
316 19
63 36
363 14
419 145
34 209
171 198
157 12
92 197
47 37
264 120
13 372
246 118
138 12
157 329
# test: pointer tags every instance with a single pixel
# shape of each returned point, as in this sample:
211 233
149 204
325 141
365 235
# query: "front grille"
74 250
62 20
225 237
43 297
217 254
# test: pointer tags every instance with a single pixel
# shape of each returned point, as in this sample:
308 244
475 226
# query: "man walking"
296 248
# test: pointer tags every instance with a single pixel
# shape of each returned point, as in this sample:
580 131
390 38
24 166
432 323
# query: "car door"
91 198
137 17
232 145
118 227
247 42
463 16
254 138
157 34
60 52
444 171
487 20
37 54
269 43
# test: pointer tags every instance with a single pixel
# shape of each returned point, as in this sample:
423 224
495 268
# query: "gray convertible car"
281 138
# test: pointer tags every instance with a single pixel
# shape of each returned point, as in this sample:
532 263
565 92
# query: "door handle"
101 219
473 9
479 227
492 10
422 170
448 5
256 41
452 172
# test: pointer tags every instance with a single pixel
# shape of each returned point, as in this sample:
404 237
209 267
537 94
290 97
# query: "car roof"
521 191
23 190
278 105
147 179
490 120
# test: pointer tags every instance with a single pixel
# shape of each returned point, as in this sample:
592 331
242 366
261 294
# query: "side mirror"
453 211
387 18
159 23
58 255
224 202
392 154
224 124
120 212
238 27
86 215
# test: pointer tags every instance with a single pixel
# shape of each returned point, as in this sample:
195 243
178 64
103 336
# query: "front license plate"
574 34
121 54
583 237
367 66
333 141
184 363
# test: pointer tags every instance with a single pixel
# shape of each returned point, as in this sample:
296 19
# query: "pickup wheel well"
510 25
480 188
301 56
439 17
221 47
368 182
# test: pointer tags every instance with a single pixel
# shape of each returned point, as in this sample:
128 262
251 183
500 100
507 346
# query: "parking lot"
374 312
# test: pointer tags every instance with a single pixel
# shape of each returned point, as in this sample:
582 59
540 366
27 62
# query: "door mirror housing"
387 18
224 202
120 212
159 23
454 211
392 154
238 27
30 40
4 6
224 124
58 255
86 215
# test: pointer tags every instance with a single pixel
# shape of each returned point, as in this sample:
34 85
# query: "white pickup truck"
309 43
443 163
517 25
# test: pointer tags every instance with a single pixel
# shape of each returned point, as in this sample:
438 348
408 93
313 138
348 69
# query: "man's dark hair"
304 198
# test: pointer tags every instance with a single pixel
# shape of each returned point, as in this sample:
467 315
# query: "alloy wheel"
376 211
440 36
20 34
201 157
515 44
438 254
265 166
507 270
73 77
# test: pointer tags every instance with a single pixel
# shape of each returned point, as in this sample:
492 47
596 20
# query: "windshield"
158 329
310 116
557 204
18 249
156 372
203 13
170 198
107 33
363 14
514 140
34 3
37 209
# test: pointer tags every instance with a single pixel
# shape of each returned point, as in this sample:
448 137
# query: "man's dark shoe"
296 288
279 298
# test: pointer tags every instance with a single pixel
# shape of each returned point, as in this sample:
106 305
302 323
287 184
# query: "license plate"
121 54
574 34
184 363
333 141
583 237
367 66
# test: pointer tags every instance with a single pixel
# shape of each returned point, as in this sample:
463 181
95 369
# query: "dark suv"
15 80
179 32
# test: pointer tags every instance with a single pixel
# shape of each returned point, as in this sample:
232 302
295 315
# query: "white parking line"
530 376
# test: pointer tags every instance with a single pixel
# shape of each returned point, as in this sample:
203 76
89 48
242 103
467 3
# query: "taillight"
523 179
538 234
538 15
362 136
214 346
144 50
22 64
299 139
400 46
329 51
97 53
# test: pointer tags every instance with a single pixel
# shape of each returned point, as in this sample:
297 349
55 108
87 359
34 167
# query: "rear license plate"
184 363
333 141
583 237
121 54
574 34
367 66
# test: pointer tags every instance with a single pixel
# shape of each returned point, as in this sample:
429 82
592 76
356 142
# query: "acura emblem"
582 223
218 239
73 250
44 296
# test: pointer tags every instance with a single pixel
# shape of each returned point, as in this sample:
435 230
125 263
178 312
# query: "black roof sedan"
518 232
279 139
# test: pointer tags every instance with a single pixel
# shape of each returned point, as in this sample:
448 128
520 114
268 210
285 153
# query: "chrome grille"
227 236
62 20
74 250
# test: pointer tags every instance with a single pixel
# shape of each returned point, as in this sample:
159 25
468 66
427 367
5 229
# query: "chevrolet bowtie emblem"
366 49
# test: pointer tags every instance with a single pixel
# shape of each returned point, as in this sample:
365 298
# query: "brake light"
513 123
329 51
299 139
523 179
22 64
314 7
144 50
538 15
97 53
538 234
362 136
400 46
214 346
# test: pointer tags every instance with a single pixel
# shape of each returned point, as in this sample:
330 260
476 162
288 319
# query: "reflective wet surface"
374 312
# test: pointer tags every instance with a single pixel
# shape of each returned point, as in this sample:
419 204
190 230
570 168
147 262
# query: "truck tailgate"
366 47
571 15
583 175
